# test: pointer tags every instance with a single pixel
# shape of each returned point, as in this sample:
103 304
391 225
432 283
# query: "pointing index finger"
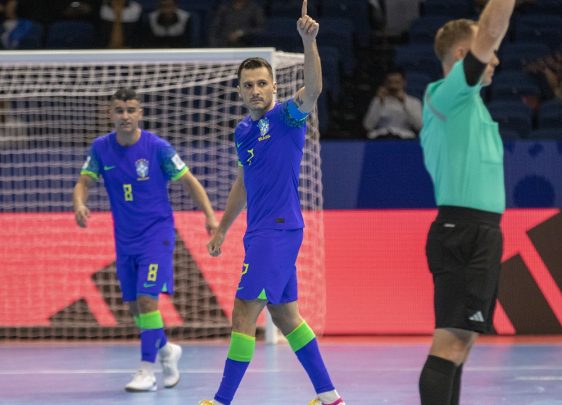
304 8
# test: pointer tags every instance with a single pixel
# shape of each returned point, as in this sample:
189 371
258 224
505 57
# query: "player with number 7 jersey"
136 166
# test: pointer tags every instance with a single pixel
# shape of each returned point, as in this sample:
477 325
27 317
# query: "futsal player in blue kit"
136 166
269 144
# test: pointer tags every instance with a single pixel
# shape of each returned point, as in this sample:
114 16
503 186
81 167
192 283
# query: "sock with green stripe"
152 335
304 344
240 354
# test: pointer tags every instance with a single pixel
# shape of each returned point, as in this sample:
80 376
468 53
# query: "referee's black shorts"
464 250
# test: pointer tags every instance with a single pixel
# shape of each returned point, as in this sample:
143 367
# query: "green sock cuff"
300 336
241 347
151 320
137 321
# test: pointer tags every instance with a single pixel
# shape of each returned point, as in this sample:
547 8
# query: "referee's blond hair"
452 33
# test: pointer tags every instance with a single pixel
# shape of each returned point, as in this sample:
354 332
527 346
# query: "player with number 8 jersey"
135 166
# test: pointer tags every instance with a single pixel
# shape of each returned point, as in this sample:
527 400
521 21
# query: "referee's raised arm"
308 30
492 27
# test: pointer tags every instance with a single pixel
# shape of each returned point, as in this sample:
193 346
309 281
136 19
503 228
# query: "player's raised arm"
80 199
492 27
308 30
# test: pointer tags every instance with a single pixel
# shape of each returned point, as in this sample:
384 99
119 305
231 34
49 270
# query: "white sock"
147 366
328 397
165 350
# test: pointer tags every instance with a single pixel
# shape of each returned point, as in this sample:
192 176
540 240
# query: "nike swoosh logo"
108 168
239 288
148 285
238 144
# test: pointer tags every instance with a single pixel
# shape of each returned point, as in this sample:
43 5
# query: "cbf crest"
142 169
263 126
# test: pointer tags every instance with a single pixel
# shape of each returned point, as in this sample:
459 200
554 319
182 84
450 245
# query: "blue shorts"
269 271
146 274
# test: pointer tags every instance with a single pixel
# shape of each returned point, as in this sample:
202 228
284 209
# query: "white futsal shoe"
169 357
143 381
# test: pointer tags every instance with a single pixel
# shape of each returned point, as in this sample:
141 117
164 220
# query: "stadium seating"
338 32
516 54
513 117
71 35
423 29
546 133
416 83
419 58
452 8
355 10
550 115
513 85
544 28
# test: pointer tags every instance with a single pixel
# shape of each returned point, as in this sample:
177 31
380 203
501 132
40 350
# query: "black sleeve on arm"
473 69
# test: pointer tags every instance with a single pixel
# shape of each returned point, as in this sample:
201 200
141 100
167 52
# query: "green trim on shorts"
263 295
151 320
300 336
241 347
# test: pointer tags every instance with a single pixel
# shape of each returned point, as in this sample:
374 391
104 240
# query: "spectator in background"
235 22
119 23
168 27
549 72
393 113
14 29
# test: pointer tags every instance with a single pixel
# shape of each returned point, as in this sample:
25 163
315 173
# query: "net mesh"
58 280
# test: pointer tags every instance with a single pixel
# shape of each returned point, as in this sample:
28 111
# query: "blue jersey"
270 151
136 179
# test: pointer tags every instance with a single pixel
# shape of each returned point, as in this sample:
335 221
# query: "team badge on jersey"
142 169
263 126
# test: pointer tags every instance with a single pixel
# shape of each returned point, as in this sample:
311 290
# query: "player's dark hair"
255 63
125 94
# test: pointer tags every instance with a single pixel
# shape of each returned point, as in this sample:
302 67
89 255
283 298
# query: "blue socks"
152 335
304 344
240 354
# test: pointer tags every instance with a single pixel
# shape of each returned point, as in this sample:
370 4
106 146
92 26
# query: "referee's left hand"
306 25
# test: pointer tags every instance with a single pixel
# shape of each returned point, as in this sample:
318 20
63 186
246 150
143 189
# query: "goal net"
58 280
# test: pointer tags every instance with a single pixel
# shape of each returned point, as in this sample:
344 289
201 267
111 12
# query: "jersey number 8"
128 190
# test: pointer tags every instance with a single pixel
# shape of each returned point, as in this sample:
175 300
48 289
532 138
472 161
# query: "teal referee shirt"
462 148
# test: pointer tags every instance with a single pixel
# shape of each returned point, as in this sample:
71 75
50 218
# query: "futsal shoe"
206 402
318 402
169 359
143 381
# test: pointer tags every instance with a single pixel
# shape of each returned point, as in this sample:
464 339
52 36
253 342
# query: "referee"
463 153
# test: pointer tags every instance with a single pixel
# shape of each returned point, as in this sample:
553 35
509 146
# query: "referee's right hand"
81 214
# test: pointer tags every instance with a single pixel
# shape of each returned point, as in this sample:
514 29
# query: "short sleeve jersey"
270 151
136 179
462 148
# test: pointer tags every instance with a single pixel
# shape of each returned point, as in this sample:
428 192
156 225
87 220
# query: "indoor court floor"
367 371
